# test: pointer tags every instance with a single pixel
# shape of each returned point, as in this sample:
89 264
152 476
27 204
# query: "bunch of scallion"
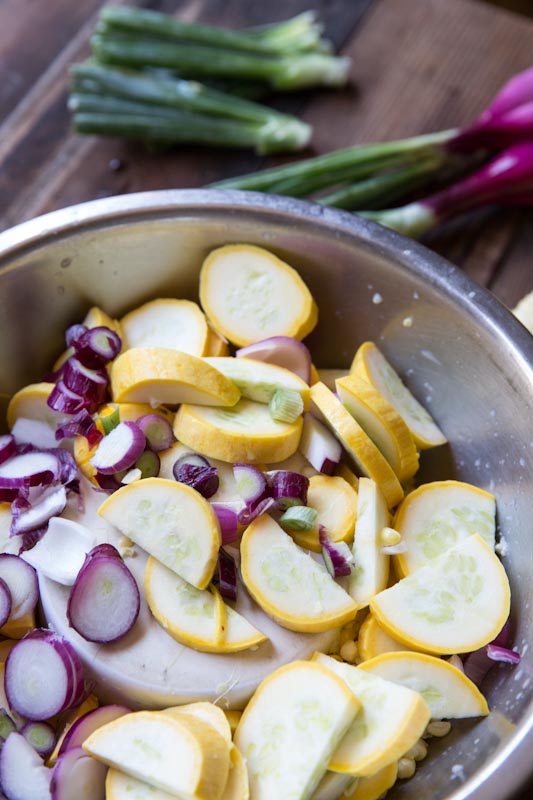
490 162
143 80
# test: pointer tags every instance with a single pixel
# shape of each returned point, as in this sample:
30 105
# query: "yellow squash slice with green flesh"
168 323
248 294
336 503
215 344
372 366
197 618
288 583
245 432
119 786
371 566
172 522
333 784
258 380
357 444
373 640
382 422
291 727
158 376
439 515
238 785
185 757
447 691
375 786
97 318
391 720
457 603
208 713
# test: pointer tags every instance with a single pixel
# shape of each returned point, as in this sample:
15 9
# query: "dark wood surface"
418 66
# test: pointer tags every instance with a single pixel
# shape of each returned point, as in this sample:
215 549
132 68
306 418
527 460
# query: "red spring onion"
284 351
8 495
96 347
227 575
43 674
265 506
82 424
5 604
157 430
252 484
77 776
203 478
90 383
64 400
149 464
289 488
41 736
109 421
496 653
50 502
319 446
228 521
88 723
28 540
480 662
104 601
7 447
29 469
337 556
108 483
120 449
23 775
21 580
73 333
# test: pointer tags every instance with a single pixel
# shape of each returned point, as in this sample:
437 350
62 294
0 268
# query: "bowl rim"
491 782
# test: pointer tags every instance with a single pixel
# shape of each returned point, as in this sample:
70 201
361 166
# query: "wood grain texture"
418 65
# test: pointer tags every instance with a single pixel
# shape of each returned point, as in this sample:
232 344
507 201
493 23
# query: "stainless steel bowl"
460 350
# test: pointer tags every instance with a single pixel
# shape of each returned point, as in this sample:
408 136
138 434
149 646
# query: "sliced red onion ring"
97 347
27 541
200 477
283 351
480 662
5 602
120 449
41 736
266 506
337 556
104 601
319 446
7 447
108 483
64 400
77 776
73 333
82 424
42 675
157 430
8 495
228 521
89 383
227 575
23 775
88 723
21 580
149 464
50 503
195 459
252 484
289 488
29 469
503 654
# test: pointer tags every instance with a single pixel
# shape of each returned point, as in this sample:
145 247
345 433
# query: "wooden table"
418 66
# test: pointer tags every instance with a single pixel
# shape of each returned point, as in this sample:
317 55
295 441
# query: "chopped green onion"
299 518
286 405
109 421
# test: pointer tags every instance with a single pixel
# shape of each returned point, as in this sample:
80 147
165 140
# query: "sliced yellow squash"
215 344
258 380
291 727
358 445
168 323
158 376
373 787
172 522
119 786
342 471
68 720
328 376
382 422
30 403
185 757
245 432
439 515
209 713
371 565
248 294
97 318
457 603
447 691
373 640
336 503
372 366
290 586
238 786
391 720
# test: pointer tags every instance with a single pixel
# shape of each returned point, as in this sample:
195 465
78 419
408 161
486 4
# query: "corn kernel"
390 537
406 768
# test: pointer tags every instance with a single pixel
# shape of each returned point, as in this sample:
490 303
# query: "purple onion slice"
337 556
41 736
23 775
319 446
5 602
97 347
64 400
157 430
252 484
7 447
228 521
74 332
478 663
49 503
21 580
266 506
89 383
504 654
289 488
77 776
202 478
120 449
227 575
284 351
29 469
104 601
82 424
90 722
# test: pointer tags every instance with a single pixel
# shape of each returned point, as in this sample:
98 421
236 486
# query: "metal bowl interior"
461 352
